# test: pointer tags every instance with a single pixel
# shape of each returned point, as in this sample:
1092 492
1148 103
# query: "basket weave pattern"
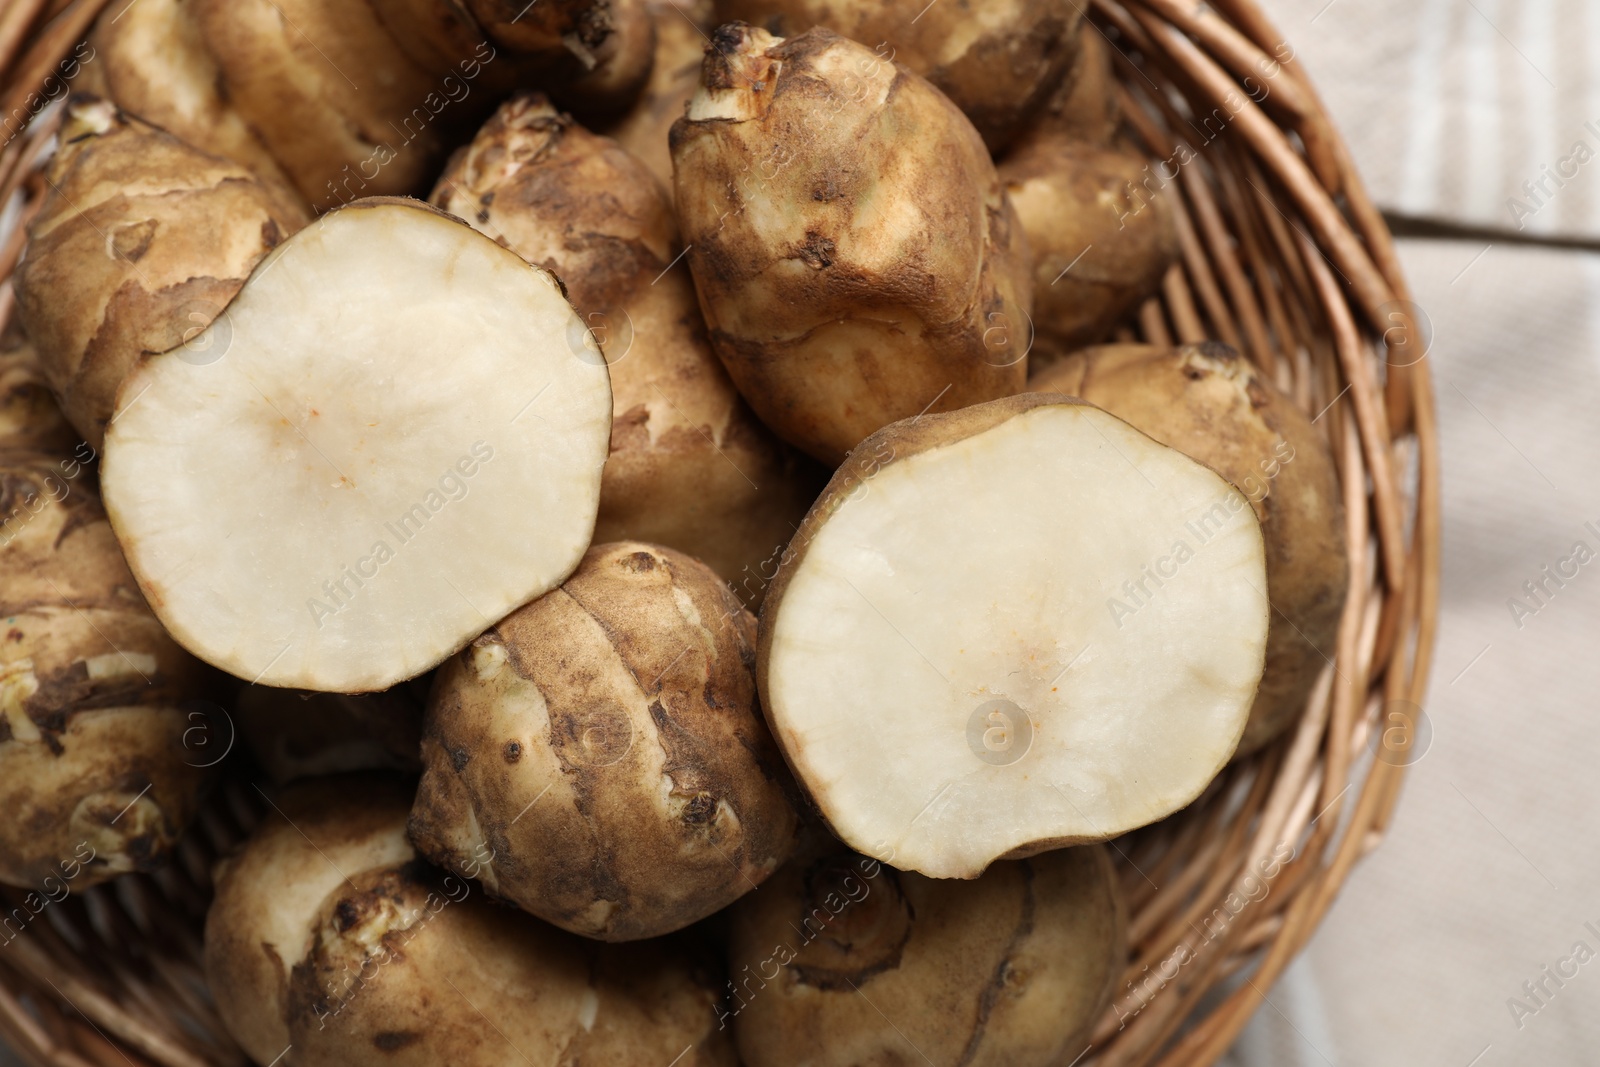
1284 257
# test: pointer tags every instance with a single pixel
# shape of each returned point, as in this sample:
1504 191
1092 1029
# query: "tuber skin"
1010 970
30 419
102 756
1210 403
595 55
141 243
328 937
605 746
1084 105
690 466
997 61
849 279
335 101
331 93
1102 233
442 36
682 33
151 61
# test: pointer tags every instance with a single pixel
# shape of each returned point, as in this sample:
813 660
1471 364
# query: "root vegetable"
150 59
850 277
329 91
29 416
99 769
1102 235
442 36
1084 105
422 432
949 691
681 38
874 966
603 744
328 936
594 54
1211 404
690 466
141 242
996 61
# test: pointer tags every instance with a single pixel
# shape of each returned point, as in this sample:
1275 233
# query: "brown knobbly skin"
97 773
997 66
596 54
1084 106
337 100
1010 969
152 61
336 141
648 794
329 935
1210 403
142 241
1102 233
29 416
848 280
690 466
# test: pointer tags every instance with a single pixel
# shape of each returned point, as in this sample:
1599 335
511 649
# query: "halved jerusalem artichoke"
850 276
1209 403
996 61
331 944
690 467
1102 233
140 243
101 754
1011 628
395 439
839 959
603 746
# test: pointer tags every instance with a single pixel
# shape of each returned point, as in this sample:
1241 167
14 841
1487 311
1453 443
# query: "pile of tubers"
663 494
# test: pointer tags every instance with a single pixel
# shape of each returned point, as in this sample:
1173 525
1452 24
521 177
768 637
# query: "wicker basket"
1284 257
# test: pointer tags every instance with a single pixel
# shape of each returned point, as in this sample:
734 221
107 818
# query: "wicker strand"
1287 97
15 21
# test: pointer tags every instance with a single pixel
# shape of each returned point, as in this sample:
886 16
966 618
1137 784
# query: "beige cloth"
1481 112
1488 873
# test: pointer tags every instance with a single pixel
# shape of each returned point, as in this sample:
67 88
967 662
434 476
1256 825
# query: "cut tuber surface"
1010 628
392 438
1209 403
